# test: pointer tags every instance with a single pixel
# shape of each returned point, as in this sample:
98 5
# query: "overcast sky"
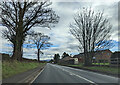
61 39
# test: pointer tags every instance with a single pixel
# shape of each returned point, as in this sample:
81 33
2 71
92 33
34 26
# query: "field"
11 68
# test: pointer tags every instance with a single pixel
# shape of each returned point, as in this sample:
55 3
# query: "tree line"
57 57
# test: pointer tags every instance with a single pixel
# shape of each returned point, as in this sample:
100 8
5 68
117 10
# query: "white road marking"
85 79
95 73
76 75
80 77
71 74
37 75
27 78
91 72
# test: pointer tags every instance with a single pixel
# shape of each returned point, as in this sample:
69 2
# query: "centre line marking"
79 76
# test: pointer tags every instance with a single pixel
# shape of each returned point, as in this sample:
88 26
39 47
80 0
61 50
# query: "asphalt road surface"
61 74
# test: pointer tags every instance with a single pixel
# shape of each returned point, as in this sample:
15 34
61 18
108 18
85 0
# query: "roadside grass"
11 68
104 69
79 65
113 70
100 63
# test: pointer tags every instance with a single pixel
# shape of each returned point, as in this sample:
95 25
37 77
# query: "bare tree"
40 41
92 31
20 17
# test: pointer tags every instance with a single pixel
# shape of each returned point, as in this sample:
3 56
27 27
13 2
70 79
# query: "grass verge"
11 68
113 70
100 63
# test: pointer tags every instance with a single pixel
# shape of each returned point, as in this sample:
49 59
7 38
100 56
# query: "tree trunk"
18 46
87 60
18 50
13 50
38 55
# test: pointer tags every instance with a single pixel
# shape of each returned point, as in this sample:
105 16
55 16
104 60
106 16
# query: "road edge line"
25 79
37 75
98 73
86 79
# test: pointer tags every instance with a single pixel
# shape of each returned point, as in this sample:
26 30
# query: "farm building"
101 56
68 60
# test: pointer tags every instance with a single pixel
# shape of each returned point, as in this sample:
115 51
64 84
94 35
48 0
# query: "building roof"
98 51
79 55
66 58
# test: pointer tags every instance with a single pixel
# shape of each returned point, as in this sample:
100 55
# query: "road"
61 74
